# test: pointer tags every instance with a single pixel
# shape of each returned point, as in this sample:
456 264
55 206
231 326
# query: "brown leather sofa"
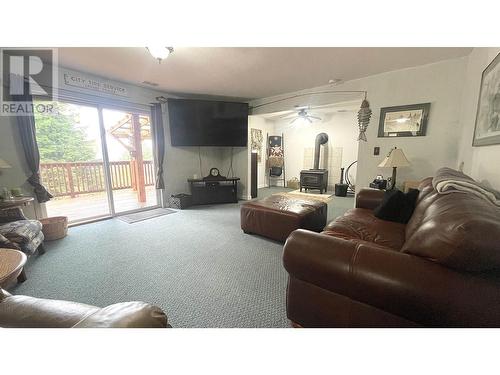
30 312
442 269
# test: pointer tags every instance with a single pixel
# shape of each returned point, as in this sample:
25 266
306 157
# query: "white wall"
342 131
440 84
480 163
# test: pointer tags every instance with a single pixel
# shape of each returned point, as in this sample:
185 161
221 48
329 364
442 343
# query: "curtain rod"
312 93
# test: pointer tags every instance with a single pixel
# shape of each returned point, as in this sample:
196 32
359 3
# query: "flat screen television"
208 123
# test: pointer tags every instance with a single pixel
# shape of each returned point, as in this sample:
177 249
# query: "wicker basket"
180 201
54 228
293 183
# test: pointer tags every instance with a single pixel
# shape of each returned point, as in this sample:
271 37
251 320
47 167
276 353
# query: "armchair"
18 232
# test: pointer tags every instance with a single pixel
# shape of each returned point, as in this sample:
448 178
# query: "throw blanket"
448 181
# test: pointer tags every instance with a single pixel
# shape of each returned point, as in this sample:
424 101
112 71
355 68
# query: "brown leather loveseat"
442 269
30 312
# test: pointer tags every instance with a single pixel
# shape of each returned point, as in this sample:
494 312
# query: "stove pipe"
321 139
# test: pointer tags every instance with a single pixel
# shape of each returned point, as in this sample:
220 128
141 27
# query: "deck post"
67 166
133 170
139 162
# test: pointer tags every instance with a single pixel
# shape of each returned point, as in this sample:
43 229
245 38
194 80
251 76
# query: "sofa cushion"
425 198
359 224
21 231
458 230
397 206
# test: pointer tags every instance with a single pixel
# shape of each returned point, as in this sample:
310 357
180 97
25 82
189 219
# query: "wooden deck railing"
71 179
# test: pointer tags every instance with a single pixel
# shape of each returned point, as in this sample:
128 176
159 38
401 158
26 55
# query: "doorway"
130 155
337 120
96 161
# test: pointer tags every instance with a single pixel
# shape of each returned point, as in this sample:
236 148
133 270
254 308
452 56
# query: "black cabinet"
205 191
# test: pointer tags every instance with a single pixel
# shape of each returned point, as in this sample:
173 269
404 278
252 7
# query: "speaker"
253 175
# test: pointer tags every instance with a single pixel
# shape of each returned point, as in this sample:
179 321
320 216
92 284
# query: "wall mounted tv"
208 123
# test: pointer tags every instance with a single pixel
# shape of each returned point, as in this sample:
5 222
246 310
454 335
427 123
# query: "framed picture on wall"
256 140
404 121
487 129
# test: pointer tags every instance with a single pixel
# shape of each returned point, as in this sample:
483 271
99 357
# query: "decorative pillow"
397 206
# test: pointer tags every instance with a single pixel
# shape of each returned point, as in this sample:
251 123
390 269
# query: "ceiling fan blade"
288 115
315 117
308 119
295 119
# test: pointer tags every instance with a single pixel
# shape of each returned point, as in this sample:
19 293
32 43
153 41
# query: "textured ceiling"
247 72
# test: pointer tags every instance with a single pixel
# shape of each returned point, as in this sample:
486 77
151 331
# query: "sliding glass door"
71 161
130 155
96 161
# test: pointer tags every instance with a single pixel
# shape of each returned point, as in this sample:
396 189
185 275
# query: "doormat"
145 215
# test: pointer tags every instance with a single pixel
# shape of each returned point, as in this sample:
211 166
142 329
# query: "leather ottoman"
277 216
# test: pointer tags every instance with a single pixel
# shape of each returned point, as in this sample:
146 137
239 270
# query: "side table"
15 202
11 266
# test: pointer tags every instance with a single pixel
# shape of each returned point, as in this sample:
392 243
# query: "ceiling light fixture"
160 53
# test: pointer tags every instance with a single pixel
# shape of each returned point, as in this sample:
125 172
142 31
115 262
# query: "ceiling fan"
304 115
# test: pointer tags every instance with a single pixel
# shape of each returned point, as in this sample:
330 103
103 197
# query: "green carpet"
197 265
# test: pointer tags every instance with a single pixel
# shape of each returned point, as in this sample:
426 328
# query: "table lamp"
395 159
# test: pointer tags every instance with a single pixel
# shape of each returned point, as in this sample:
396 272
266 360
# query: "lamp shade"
396 158
4 164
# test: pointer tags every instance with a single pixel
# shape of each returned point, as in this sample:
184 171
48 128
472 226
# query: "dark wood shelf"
214 190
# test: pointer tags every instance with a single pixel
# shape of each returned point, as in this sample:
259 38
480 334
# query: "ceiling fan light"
160 53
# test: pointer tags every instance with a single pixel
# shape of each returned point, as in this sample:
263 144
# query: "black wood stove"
315 178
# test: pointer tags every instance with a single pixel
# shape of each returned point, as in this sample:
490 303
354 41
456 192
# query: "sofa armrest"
126 315
31 312
369 198
5 243
401 284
